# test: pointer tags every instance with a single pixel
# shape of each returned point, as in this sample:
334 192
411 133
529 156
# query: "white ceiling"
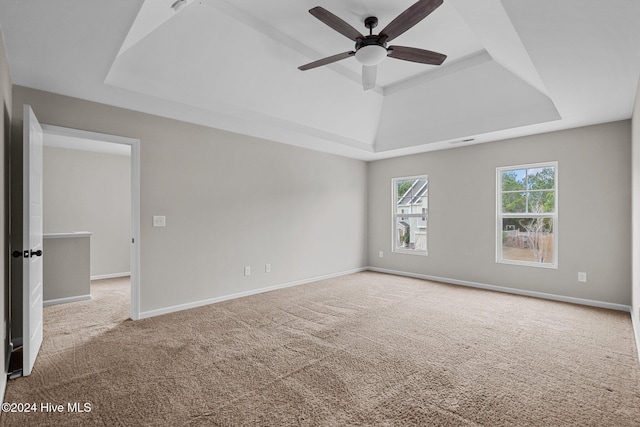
514 67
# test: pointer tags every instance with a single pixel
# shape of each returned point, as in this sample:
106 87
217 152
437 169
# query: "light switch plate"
159 221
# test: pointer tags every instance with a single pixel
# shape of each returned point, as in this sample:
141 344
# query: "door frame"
135 198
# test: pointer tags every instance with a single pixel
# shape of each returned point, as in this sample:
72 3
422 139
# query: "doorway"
104 143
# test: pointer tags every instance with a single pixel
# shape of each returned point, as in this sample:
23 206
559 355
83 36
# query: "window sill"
410 252
528 264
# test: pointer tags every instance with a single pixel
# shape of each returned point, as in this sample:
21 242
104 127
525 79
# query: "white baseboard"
636 333
49 302
3 385
110 276
186 306
562 298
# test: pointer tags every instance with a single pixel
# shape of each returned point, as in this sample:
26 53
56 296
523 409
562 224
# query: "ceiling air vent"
462 141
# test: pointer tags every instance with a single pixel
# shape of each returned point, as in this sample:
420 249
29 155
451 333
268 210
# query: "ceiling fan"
372 49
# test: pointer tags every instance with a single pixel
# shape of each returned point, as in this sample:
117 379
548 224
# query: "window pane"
528 239
411 214
418 204
514 202
403 193
541 178
542 201
514 180
411 233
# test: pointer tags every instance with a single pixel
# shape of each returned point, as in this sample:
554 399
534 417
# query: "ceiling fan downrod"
371 22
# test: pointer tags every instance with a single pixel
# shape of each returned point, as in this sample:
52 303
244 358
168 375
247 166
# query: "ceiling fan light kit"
372 54
372 49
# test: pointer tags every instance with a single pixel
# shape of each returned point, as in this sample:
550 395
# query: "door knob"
36 253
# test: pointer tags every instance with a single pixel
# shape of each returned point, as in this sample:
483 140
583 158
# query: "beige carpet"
364 349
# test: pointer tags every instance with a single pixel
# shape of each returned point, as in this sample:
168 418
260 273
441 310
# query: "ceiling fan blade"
408 19
369 73
416 55
336 23
325 61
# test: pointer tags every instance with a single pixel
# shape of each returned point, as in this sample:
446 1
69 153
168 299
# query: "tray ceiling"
514 67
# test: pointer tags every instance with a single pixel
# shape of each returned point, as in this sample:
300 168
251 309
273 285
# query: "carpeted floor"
365 349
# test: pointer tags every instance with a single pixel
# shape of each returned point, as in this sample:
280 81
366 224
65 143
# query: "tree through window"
527 215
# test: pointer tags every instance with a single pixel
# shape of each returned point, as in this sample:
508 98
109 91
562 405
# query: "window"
410 212
527 215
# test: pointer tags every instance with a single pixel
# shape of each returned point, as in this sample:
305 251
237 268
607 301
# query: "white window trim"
416 215
500 216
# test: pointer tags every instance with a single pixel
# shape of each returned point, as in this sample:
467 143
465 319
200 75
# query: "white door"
32 241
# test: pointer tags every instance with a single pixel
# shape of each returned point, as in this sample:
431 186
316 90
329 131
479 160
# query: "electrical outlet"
247 271
380 254
267 268
582 277
159 221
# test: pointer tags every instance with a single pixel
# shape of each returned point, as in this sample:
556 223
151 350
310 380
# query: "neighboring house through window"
527 215
410 213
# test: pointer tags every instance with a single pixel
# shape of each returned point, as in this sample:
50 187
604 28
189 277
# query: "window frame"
500 215
395 215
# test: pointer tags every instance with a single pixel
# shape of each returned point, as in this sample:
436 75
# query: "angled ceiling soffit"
493 27
480 96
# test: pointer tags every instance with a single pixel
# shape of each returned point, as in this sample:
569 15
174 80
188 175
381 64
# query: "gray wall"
66 267
635 120
594 229
230 201
89 191
5 131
